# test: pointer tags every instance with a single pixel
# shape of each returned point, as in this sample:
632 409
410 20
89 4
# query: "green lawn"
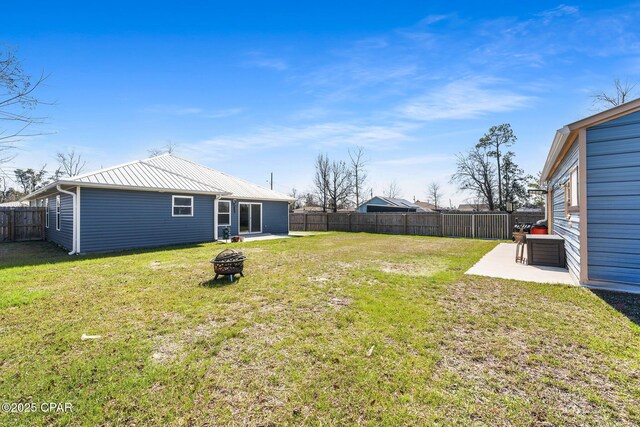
291 342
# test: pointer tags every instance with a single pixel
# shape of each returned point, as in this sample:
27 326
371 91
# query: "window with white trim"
46 212
58 213
182 206
224 212
572 192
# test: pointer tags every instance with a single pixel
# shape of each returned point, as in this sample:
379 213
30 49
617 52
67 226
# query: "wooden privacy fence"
21 224
479 225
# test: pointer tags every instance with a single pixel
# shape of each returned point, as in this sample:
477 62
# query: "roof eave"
119 187
564 135
556 147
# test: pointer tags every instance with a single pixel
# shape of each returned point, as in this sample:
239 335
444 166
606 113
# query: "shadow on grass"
627 304
27 254
220 282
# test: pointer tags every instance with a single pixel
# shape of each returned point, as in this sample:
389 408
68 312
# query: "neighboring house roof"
318 209
167 173
425 205
566 136
391 201
13 204
529 210
473 207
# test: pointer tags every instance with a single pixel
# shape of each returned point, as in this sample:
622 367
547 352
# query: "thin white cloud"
220 114
261 60
415 160
175 110
432 19
322 135
464 99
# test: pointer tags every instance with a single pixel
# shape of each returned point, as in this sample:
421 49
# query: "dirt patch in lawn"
412 268
171 347
340 302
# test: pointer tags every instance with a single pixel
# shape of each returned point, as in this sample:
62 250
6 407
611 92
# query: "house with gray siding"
162 200
388 204
592 174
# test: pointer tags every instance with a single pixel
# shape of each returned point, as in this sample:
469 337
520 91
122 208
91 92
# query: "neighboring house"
529 210
592 175
473 207
318 209
163 200
426 206
388 204
13 204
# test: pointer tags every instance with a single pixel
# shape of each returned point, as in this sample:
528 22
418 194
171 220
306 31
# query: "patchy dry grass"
289 343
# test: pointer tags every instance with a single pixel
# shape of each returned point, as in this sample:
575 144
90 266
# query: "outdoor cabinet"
546 249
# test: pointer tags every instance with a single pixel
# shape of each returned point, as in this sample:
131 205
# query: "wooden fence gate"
477 226
21 224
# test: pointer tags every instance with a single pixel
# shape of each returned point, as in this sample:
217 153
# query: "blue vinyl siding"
613 200
119 219
64 237
561 225
275 217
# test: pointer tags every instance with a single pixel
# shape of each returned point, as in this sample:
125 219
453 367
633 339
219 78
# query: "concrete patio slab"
500 263
265 236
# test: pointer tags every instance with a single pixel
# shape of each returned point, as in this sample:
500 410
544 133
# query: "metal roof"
392 201
167 173
238 188
141 174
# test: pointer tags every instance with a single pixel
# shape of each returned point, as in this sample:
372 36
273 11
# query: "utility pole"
272 180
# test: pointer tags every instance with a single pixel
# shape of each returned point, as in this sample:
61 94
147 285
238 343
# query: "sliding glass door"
250 218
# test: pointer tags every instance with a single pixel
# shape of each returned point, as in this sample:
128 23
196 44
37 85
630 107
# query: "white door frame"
261 215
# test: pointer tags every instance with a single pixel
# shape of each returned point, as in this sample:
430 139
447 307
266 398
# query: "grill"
228 263
539 227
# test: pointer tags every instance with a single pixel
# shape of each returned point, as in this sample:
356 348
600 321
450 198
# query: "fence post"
11 223
473 226
376 226
304 222
326 221
405 223
349 215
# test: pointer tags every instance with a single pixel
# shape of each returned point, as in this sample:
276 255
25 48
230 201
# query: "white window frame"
58 219
572 192
261 217
46 212
173 205
228 203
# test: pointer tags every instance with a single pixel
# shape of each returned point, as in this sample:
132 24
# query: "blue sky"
257 87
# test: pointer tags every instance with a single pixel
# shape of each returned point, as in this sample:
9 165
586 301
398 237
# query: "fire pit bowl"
228 263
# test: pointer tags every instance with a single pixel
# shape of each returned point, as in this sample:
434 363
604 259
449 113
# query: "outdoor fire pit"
228 263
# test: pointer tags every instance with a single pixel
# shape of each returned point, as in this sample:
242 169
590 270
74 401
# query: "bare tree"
321 179
476 173
392 190
340 185
69 164
308 199
434 194
358 164
17 102
168 148
298 196
496 138
623 91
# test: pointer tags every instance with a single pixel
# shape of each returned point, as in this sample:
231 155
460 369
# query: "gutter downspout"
75 218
